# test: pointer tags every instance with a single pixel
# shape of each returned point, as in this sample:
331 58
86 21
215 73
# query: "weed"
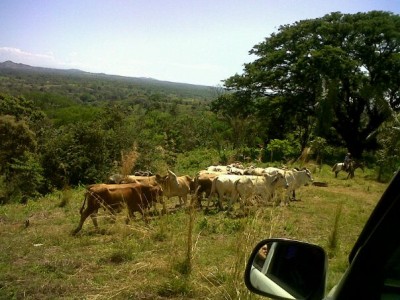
184 267
65 196
334 235
232 226
119 256
207 227
175 287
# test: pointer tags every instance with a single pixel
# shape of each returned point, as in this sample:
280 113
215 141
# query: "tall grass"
128 161
184 254
334 235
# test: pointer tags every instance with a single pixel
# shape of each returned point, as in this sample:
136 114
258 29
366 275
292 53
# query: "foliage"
327 84
77 154
25 177
281 150
388 157
197 159
19 163
335 72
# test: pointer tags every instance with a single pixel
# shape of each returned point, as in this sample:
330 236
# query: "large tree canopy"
337 77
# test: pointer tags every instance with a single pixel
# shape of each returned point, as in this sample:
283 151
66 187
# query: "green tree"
21 126
344 66
78 153
19 164
238 111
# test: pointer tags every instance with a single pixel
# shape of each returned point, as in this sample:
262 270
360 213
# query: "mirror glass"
288 269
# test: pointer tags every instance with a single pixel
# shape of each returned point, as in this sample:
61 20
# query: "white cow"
219 168
254 171
274 170
233 187
261 187
296 179
234 168
224 187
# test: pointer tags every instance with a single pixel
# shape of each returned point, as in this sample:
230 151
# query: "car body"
374 262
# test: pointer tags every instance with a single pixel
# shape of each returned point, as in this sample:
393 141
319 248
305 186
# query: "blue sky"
198 42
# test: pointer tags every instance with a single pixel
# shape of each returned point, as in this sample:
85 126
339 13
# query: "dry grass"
41 260
128 161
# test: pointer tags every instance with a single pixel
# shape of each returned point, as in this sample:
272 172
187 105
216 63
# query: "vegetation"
335 77
318 89
42 260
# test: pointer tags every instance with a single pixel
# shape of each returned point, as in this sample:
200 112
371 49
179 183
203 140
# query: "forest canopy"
335 77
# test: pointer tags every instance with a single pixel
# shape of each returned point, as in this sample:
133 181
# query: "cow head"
161 179
308 173
280 180
115 178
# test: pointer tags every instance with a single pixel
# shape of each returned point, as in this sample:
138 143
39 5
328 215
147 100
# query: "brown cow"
202 185
136 196
173 185
149 180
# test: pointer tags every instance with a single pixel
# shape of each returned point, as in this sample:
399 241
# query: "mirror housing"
287 269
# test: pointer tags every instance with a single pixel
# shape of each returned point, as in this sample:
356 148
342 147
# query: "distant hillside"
16 78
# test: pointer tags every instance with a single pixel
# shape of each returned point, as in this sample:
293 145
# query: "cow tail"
213 187
192 184
334 167
236 184
212 192
83 204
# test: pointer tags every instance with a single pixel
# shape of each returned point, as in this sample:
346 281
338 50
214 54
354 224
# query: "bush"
282 150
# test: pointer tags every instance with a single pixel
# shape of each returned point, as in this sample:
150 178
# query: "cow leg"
113 216
198 195
93 216
184 198
86 213
208 202
232 200
182 201
287 199
219 202
145 214
130 216
164 207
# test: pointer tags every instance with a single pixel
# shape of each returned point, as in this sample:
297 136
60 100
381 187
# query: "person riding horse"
347 161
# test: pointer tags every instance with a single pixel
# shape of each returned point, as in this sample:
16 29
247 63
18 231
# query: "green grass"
42 260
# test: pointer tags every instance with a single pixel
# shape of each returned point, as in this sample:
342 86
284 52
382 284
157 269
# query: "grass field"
181 255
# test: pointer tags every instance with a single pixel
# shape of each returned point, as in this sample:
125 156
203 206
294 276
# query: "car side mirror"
287 269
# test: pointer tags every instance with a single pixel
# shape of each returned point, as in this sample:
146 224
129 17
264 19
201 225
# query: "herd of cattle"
232 183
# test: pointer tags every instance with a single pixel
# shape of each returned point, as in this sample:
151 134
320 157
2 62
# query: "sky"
188 41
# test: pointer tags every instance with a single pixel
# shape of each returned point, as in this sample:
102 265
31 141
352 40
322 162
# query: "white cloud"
20 56
36 59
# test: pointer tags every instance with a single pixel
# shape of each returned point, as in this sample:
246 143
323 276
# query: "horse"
352 166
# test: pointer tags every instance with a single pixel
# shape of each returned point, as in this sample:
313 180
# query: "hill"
17 78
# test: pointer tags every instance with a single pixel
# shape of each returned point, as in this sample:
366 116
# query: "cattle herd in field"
228 184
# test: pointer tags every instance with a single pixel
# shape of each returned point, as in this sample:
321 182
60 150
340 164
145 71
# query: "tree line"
330 85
